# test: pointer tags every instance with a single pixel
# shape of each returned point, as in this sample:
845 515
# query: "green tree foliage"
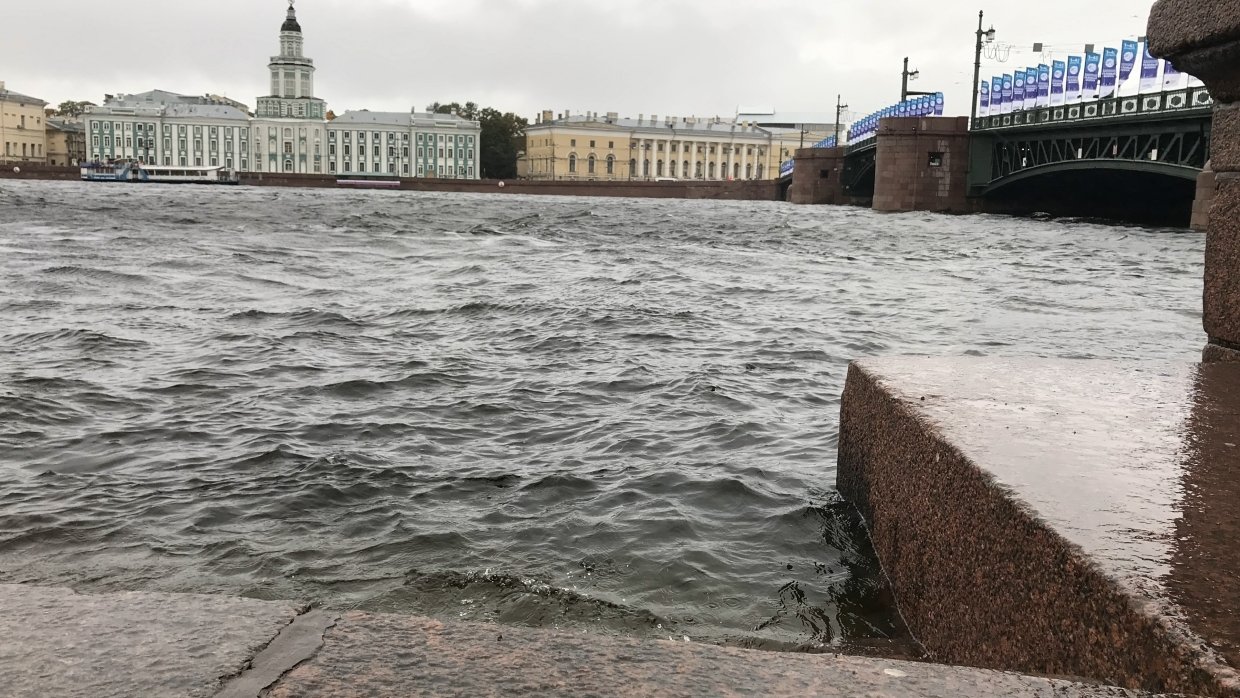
503 136
71 109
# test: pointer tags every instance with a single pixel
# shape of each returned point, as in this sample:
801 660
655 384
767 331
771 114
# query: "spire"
290 24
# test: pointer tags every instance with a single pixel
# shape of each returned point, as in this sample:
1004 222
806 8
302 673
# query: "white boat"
166 174
159 174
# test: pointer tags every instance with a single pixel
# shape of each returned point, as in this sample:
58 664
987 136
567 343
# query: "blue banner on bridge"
1044 85
1149 70
925 105
1073 91
1058 70
1093 62
1110 71
1031 88
1008 81
1127 60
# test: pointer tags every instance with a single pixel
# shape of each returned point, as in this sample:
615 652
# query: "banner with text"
1127 59
1044 85
1058 71
1110 71
1072 92
1089 88
1149 70
1171 76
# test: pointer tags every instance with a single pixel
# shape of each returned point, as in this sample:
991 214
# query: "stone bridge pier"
1202 37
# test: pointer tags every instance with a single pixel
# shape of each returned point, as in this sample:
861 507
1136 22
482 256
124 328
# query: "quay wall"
766 190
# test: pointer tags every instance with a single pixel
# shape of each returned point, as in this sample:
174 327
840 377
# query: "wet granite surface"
1202 37
380 655
1056 517
1222 273
55 642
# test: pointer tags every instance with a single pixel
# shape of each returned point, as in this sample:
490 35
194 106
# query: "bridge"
1135 156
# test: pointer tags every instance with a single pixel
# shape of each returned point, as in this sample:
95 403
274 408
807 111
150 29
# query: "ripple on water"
615 415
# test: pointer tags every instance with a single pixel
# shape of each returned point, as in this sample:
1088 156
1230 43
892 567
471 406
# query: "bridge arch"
1156 193
1163 169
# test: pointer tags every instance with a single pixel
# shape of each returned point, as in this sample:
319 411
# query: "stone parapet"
1202 38
1068 518
1204 199
1222 273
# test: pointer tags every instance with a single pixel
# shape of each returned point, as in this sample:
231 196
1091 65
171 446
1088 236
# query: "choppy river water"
610 414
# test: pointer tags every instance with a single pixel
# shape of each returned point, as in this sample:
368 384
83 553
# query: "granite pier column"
1202 38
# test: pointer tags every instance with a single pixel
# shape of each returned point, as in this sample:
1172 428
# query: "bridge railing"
1187 99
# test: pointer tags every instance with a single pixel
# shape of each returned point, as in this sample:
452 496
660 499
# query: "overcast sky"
665 57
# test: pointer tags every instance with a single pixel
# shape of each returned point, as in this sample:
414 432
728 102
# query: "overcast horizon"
672 57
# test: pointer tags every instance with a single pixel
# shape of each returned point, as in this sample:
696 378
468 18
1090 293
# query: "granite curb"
1049 516
57 642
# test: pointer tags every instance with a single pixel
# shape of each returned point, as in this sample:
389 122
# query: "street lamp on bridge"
907 76
839 109
989 37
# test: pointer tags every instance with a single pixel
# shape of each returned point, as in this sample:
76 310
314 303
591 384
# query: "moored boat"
124 171
107 172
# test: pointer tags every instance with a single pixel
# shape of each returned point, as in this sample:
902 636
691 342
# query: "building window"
572 164
611 164
611 145
590 165
591 144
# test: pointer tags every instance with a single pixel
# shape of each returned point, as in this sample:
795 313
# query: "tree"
468 111
502 137
72 110
330 116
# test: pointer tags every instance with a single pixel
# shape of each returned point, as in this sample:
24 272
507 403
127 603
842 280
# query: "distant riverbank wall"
722 191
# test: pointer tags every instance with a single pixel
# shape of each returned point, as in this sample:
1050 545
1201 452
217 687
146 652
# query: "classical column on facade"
1203 40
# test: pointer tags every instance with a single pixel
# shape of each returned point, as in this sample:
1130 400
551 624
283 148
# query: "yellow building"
22 128
609 148
66 142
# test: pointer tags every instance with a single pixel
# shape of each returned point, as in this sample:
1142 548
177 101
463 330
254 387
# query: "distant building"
807 128
413 144
66 142
22 127
610 148
288 131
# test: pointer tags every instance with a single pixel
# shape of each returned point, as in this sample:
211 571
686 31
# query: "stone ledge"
1056 517
396 655
60 643
55 642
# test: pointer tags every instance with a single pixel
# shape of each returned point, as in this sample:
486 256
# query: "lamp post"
905 77
989 37
839 109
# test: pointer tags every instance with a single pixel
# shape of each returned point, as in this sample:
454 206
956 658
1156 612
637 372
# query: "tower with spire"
292 78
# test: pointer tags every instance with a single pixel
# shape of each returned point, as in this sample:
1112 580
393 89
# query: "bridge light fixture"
984 38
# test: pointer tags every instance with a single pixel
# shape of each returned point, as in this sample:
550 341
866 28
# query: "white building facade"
416 144
288 133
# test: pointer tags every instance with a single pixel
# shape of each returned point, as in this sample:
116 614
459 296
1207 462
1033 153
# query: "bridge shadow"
1099 189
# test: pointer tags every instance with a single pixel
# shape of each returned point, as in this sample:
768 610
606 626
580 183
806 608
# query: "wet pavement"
58 642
